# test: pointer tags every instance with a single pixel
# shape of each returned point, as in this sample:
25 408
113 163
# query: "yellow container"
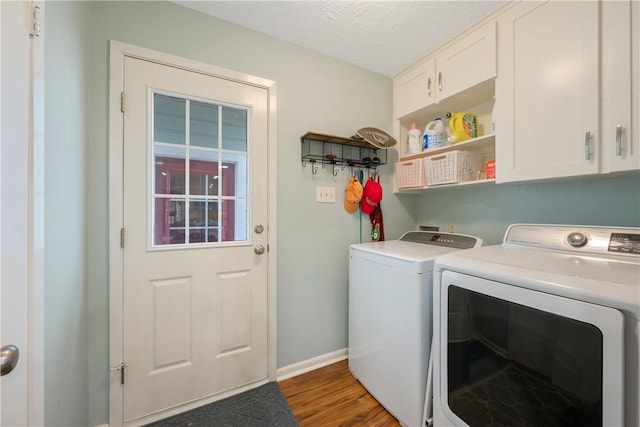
463 126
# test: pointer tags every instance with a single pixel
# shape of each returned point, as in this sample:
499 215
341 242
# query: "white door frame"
25 144
118 52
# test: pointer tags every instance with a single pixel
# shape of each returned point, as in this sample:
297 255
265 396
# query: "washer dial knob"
577 239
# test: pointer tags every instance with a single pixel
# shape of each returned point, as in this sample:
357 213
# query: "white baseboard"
311 364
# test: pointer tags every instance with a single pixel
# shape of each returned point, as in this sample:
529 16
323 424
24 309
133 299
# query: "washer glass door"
519 357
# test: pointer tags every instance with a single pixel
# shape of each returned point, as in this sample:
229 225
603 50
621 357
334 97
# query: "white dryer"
542 330
390 316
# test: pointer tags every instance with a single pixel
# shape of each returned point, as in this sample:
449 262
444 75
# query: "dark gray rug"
261 407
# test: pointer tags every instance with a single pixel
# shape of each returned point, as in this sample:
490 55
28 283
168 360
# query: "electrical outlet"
451 227
325 194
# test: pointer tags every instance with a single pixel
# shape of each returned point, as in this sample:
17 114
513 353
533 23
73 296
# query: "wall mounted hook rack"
340 152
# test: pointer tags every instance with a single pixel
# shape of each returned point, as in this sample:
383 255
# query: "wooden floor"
332 397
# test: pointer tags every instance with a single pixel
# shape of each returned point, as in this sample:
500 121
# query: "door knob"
9 355
259 249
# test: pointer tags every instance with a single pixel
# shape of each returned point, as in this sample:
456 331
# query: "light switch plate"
325 194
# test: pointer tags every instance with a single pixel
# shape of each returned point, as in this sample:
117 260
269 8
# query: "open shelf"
457 184
479 143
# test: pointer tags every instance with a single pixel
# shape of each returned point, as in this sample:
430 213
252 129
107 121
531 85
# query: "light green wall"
66 124
487 211
314 93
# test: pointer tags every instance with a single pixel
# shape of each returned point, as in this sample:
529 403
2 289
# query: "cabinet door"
619 138
467 62
547 90
415 89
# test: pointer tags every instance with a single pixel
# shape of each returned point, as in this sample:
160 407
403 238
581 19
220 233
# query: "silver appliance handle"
587 145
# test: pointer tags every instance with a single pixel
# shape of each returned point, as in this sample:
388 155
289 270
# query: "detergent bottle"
463 126
414 144
434 134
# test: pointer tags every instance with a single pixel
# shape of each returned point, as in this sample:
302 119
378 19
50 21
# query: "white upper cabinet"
620 131
459 66
415 89
547 98
567 92
458 77
467 62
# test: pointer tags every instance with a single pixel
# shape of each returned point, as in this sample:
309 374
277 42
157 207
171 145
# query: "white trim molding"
312 364
22 180
117 53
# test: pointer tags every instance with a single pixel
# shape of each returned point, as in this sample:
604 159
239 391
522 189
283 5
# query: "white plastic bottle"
414 144
434 134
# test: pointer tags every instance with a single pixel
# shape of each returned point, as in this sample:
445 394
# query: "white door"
620 92
195 221
21 213
415 89
547 92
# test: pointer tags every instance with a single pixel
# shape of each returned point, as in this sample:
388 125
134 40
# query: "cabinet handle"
587 146
440 81
619 140
429 86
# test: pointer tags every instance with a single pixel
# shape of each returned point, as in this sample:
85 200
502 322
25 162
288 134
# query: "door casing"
22 242
118 52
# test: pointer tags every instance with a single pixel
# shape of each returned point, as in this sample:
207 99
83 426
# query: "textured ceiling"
382 36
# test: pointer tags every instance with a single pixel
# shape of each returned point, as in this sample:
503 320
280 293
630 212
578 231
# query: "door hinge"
122 238
123 101
35 24
120 368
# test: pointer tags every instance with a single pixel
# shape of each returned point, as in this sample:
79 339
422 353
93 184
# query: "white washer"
390 317
541 330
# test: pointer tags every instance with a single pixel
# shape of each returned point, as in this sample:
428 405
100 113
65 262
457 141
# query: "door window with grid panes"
199 172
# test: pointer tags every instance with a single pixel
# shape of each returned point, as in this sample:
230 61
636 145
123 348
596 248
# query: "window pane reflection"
234 129
169 171
234 175
234 224
203 124
169 221
203 168
169 120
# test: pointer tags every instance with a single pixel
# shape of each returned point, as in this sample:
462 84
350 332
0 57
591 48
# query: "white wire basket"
451 167
410 174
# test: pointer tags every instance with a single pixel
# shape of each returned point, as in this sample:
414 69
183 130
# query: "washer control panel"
626 243
576 238
451 240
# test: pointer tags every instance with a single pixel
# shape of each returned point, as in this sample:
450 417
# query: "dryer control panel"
577 238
